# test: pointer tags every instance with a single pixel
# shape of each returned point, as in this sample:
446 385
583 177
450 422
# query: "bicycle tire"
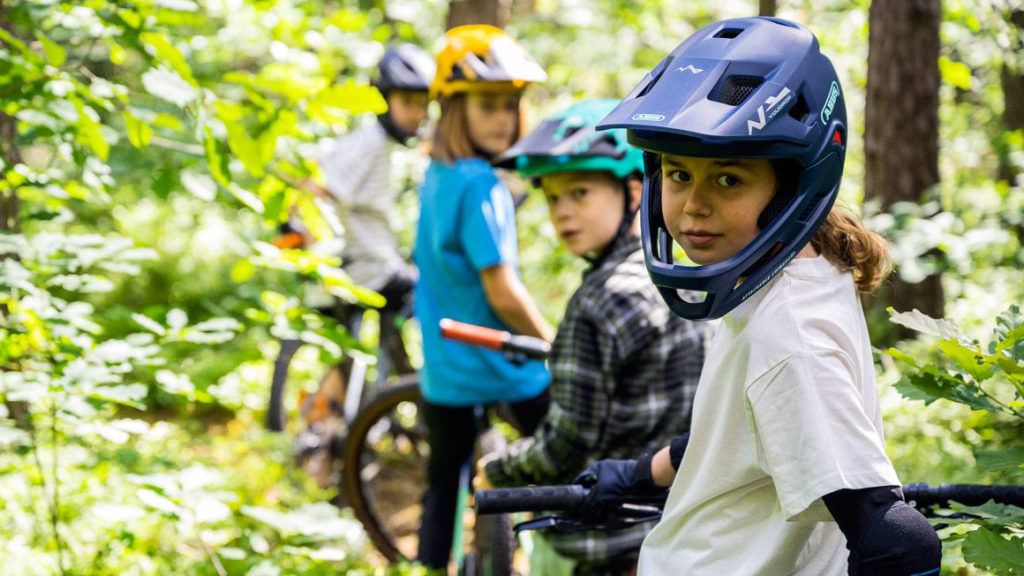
384 468
494 546
277 417
492 549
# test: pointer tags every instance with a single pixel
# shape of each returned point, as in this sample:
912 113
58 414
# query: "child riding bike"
624 368
466 252
358 177
785 472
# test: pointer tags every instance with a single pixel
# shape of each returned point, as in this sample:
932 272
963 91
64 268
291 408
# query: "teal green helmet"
567 142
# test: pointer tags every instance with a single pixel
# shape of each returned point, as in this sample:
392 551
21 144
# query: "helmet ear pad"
787 179
651 208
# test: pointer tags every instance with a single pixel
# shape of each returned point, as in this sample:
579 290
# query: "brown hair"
450 140
846 242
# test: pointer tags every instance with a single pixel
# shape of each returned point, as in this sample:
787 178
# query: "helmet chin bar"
756 264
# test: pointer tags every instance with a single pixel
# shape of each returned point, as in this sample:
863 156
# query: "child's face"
492 118
586 209
408 109
711 205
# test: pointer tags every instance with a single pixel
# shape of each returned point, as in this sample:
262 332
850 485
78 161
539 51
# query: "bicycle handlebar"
968 494
491 339
569 498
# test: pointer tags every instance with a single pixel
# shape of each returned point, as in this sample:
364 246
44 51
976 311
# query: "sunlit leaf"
163 49
925 324
127 394
55 53
176 319
200 185
168 85
149 324
955 74
138 131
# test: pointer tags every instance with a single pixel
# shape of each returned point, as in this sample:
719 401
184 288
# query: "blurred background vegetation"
147 150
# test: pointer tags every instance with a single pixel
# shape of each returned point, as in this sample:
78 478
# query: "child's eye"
679 176
727 180
551 199
578 193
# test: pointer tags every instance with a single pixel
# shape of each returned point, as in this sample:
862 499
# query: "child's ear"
636 190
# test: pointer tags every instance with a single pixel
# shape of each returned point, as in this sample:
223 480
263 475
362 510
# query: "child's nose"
697 201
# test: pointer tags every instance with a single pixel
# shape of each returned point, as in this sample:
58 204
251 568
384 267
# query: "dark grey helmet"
404 67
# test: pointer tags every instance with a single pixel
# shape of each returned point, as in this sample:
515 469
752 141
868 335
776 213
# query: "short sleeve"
487 226
814 435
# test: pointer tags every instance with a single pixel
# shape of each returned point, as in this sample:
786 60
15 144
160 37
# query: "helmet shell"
405 67
568 142
479 57
739 88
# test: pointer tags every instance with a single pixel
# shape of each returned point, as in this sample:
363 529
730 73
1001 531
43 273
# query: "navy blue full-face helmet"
741 88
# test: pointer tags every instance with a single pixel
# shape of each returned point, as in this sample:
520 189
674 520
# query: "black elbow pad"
885 535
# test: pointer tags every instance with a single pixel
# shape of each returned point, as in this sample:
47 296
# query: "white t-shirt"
357 171
786 412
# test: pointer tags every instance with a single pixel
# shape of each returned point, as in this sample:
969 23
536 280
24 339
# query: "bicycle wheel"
384 472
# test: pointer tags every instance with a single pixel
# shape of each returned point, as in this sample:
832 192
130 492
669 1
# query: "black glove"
612 479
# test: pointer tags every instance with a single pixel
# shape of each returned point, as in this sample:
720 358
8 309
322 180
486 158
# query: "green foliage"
990 379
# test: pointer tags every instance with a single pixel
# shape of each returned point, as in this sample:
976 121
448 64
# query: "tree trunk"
901 136
493 12
767 7
9 153
1013 96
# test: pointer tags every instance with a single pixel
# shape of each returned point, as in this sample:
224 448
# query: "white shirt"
357 171
786 412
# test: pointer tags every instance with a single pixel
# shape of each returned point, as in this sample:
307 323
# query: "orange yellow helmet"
481 57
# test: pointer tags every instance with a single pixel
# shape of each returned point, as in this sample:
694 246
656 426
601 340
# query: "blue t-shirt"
467 224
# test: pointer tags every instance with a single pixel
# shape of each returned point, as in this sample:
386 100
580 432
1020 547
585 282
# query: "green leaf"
956 74
925 324
931 387
215 158
200 185
168 85
88 133
169 54
1009 460
55 54
968 359
988 550
126 394
138 131
149 324
1010 333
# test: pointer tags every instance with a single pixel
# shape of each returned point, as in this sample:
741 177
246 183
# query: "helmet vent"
728 33
737 88
800 111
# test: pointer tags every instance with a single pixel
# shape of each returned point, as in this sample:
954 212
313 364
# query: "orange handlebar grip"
288 241
484 337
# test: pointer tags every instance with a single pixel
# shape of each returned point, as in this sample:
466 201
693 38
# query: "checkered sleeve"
580 398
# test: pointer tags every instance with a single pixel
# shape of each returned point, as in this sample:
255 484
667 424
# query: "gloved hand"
611 479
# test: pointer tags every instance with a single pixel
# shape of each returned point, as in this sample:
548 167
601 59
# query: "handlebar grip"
968 494
566 498
482 336
529 346
288 241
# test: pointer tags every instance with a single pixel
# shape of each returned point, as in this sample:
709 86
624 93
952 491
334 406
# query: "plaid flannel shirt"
624 371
